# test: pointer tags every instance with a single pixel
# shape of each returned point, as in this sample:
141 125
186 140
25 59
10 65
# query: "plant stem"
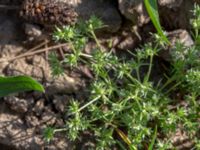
96 40
86 105
60 130
150 68
173 87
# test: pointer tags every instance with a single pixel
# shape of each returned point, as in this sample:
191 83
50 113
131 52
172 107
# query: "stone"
134 10
175 14
33 32
181 140
62 12
32 120
39 107
38 68
60 102
103 9
181 36
48 117
170 3
17 104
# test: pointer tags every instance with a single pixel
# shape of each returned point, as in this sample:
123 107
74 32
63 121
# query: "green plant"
152 9
9 85
125 108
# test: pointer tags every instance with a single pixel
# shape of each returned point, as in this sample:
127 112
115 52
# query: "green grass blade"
153 140
152 9
9 85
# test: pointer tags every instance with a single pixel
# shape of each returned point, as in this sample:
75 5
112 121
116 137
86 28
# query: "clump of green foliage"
124 108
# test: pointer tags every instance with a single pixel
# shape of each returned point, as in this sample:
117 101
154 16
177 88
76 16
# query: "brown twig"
39 46
61 53
33 53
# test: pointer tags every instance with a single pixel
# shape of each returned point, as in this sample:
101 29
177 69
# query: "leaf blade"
153 140
152 9
9 85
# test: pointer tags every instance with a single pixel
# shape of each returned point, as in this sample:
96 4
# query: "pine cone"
48 12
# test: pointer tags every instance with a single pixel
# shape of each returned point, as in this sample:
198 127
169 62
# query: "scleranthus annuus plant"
124 108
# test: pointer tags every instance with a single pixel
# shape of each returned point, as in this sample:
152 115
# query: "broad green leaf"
9 85
152 9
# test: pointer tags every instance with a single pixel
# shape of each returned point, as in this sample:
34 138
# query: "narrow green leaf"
152 9
9 85
153 140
